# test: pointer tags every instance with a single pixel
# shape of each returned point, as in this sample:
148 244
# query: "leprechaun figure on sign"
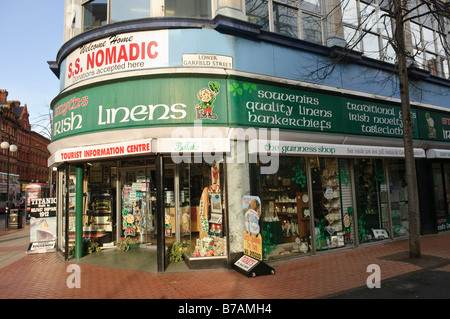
207 96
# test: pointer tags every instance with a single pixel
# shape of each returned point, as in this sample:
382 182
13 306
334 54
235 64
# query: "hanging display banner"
317 149
42 225
118 53
137 147
251 206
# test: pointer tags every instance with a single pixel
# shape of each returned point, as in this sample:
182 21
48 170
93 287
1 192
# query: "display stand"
251 267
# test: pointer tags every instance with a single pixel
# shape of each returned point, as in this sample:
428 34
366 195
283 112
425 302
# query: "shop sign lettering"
270 106
186 146
149 102
286 147
111 115
266 106
371 118
131 104
434 125
443 223
118 53
100 151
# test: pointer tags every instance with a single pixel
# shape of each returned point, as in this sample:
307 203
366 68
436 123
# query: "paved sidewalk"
45 276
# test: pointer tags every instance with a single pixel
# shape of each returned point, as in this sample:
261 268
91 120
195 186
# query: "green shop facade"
161 156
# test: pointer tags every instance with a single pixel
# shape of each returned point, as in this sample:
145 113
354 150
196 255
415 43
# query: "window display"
98 204
441 180
398 192
371 198
138 204
208 235
333 212
285 210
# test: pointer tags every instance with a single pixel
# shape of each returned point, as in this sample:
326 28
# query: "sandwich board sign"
42 225
251 264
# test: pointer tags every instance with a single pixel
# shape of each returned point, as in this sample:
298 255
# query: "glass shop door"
177 213
138 205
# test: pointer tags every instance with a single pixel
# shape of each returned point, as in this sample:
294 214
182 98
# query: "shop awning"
323 149
436 153
173 146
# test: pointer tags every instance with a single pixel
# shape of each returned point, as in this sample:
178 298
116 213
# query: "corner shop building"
158 136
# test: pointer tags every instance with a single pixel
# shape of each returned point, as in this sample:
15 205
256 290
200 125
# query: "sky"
31 33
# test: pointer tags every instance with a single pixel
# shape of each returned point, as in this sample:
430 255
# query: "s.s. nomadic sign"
118 53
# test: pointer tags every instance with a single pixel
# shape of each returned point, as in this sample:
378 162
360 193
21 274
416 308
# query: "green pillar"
79 213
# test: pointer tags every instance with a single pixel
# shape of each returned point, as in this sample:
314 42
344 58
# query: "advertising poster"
251 206
42 225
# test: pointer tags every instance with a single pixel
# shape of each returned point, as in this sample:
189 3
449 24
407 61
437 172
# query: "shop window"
439 190
122 10
99 215
188 8
398 194
371 199
62 212
332 200
447 186
285 210
441 181
98 211
71 206
138 205
95 14
207 210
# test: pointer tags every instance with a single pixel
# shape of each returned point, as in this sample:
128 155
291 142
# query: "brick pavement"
44 276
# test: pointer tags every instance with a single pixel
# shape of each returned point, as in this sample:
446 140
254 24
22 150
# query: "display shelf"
292 210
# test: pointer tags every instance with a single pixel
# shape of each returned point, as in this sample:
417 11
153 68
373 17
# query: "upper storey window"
85 15
299 19
95 14
188 8
122 10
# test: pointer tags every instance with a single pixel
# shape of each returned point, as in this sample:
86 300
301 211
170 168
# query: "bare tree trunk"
411 177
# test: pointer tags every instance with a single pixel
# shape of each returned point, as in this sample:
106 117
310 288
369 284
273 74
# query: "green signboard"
258 105
233 102
141 103
434 125
367 117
